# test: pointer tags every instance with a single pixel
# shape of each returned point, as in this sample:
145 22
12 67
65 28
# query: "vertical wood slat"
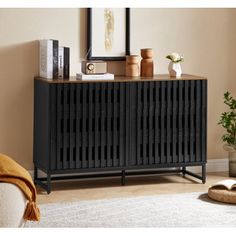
186 113
157 118
84 131
102 124
191 128
53 124
127 126
174 116
168 129
150 128
59 131
203 120
198 120
97 116
180 122
138 138
71 126
132 124
163 114
109 133
90 119
78 133
115 107
65 163
145 111
121 123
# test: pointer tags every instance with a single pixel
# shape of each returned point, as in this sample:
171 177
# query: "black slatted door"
88 125
167 122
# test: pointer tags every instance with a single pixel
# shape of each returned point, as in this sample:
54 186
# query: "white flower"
175 57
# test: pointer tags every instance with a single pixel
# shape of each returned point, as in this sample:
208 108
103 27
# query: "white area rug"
176 210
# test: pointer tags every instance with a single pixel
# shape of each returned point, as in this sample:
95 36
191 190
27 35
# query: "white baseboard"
213 165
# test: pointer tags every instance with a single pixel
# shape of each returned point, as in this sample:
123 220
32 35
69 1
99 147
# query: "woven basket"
221 194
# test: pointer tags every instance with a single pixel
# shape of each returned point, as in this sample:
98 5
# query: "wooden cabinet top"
161 77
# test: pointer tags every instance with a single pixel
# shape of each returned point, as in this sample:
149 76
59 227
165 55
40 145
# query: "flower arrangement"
175 57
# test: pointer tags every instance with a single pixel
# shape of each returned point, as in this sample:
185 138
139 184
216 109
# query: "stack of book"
54 60
94 70
90 77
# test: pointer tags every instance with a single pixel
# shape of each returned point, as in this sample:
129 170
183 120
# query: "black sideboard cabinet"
123 127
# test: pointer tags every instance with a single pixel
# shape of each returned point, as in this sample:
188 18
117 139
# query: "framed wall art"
108 34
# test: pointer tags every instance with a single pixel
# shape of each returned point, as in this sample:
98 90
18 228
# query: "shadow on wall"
18 66
115 67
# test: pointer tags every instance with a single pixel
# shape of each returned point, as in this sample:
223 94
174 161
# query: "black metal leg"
45 182
202 177
123 177
48 183
204 173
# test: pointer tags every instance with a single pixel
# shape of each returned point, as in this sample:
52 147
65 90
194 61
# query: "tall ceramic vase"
232 164
232 160
175 69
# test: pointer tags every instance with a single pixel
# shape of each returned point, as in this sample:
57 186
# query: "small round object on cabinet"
90 67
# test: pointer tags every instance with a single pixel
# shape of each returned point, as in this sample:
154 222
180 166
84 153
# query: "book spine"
66 71
49 59
42 59
61 62
45 58
55 58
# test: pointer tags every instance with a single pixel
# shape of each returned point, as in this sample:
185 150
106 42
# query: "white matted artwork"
108 33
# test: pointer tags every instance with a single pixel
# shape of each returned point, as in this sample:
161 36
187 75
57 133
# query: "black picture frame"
90 56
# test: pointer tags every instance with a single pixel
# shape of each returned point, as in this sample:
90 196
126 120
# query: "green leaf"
228 120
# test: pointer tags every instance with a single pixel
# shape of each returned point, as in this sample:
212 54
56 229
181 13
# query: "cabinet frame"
124 127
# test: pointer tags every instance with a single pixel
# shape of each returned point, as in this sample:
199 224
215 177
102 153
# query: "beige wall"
206 38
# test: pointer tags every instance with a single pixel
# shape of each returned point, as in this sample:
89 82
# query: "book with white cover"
45 58
48 58
106 76
227 183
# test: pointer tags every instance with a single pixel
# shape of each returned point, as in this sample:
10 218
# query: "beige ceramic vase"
232 160
232 164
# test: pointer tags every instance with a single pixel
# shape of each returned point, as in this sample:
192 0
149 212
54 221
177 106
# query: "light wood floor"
135 186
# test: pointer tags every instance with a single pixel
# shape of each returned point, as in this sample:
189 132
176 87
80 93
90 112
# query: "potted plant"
174 65
228 122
